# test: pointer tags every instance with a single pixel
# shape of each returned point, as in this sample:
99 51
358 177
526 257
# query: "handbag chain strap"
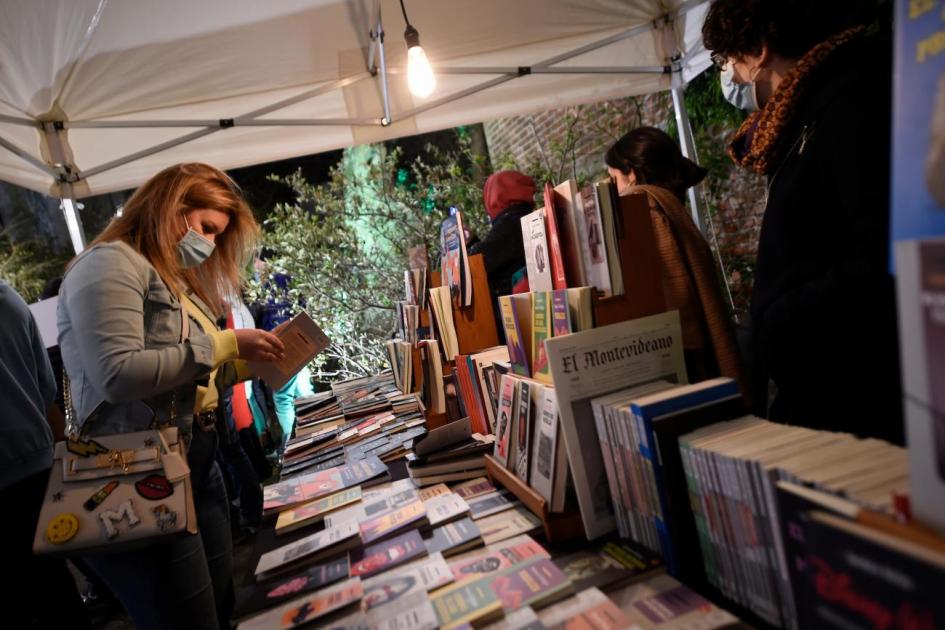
74 431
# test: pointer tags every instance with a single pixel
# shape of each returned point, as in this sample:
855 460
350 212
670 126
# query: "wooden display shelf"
436 420
558 527
640 265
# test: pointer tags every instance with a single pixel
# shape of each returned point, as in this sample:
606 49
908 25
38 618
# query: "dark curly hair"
734 28
655 160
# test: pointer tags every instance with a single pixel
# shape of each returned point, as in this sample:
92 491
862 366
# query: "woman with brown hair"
139 344
646 160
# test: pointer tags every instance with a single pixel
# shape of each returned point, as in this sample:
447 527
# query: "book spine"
648 449
696 503
513 336
541 329
609 468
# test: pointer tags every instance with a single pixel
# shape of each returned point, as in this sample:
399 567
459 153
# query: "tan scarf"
760 143
691 284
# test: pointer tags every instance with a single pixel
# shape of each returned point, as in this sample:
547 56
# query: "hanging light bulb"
420 79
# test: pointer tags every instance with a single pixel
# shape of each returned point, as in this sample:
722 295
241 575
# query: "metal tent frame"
67 174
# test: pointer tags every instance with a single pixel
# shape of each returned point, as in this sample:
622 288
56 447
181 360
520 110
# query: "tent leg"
73 221
382 56
688 146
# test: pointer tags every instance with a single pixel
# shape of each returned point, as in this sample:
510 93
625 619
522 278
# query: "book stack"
457 456
732 469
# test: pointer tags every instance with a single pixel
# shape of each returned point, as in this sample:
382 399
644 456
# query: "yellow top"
228 368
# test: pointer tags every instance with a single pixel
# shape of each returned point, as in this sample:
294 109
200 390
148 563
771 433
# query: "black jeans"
186 582
40 590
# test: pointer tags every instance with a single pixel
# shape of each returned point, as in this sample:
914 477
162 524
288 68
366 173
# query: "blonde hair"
150 222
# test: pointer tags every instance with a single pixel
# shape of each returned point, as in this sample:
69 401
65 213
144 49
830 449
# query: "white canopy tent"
98 95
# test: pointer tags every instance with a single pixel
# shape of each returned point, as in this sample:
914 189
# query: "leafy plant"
27 265
341 248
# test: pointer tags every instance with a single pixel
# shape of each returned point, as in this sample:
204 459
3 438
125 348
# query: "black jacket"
823 304
502 249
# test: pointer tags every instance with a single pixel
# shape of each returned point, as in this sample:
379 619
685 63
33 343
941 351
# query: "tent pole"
688 146
73 221
382 56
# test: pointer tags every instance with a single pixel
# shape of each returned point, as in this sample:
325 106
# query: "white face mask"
194 248
741 95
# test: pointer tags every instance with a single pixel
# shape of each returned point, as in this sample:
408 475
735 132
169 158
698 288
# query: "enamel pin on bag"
115 492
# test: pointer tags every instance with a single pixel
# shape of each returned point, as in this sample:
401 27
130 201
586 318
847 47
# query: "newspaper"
602 361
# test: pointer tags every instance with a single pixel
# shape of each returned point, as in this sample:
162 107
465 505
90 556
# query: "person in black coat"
508 196
823 303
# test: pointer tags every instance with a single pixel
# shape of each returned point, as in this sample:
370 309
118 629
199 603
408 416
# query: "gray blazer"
121 332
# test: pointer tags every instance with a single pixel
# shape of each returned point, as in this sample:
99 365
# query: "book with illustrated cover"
664 603
593 249
536 583
305 609
537 258
549 471
569 232
269 593
524 433
589 609
454 538
559 279
314 511
282 495
472 602
503 435
444 508
541 330
474 488
516 329
377 558
497 557
560 313
609 566
427 575
411 515
319 545
454 261
491 503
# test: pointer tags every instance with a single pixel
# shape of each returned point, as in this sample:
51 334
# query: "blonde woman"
139 344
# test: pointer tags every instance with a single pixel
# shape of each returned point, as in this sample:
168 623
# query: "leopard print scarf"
760 142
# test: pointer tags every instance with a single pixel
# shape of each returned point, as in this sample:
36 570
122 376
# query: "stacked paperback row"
732 470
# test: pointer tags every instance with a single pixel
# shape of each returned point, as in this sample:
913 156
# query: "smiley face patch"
62 528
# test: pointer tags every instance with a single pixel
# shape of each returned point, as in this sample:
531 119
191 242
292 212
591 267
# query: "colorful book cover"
559 278
424 575
541 330
537 260
377 528
472 602
307 608
474 487
445 508
560 313
307 546
321 483
524 429
315 510
592 245
491 503
273 592
570 219
503 429
282 495
374 559
363 470
453 537
433 491
531 584
497 559
513 336
454 261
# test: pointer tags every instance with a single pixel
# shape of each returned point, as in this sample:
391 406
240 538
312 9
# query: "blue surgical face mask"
741 95
194 248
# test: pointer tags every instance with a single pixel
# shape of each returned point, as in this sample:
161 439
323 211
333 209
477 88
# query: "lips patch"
154 487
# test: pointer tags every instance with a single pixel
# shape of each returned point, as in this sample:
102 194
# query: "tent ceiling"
115 79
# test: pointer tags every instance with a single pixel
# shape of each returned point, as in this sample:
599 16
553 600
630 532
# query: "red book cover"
559 279
374 559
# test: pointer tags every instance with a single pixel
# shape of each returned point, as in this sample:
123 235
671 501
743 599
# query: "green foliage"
343 244
27 265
